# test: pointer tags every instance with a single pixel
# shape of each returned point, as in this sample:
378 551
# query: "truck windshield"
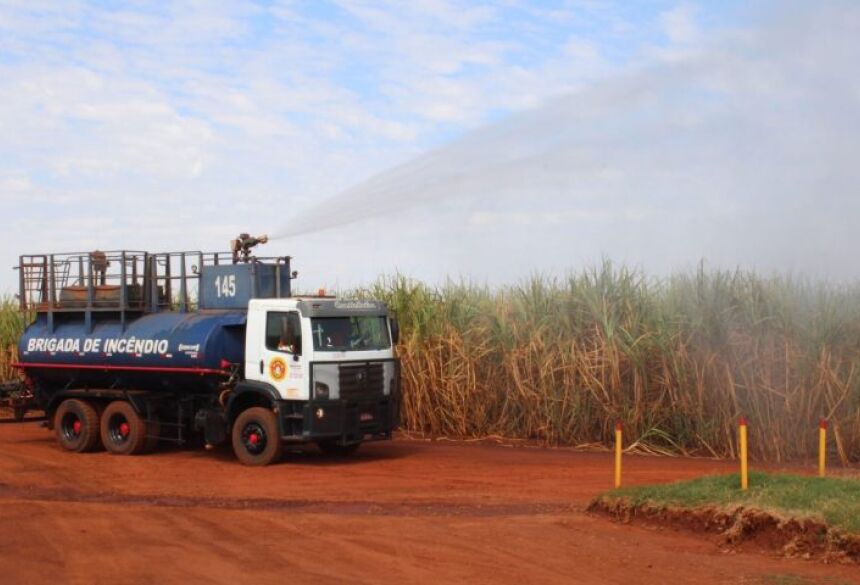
350 333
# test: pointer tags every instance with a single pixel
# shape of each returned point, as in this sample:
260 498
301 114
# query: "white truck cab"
299 346
329 366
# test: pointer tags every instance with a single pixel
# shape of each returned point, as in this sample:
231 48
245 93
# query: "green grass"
835 501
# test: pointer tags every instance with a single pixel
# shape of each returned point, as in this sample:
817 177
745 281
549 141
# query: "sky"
485 141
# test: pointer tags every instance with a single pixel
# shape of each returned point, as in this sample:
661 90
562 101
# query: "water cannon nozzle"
241 246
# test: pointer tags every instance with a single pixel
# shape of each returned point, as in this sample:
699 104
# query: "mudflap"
213 423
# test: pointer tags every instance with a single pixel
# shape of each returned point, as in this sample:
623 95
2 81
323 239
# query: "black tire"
76 424
123 432
335 449
256 440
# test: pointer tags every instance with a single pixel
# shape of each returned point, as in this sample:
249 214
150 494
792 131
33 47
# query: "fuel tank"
176 352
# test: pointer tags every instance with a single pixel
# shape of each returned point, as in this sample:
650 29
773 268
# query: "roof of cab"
327 306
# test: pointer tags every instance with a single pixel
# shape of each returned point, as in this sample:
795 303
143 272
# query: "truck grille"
361 381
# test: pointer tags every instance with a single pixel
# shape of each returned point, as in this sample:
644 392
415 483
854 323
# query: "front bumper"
338 420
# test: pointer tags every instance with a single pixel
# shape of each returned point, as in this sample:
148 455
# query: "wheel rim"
119 429
254 438
71 427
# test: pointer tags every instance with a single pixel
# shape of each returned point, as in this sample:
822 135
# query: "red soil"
398 512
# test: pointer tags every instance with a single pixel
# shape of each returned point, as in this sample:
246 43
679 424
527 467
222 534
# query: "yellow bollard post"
617 455
745 481
822 447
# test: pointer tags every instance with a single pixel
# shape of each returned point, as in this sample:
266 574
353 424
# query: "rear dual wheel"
124 432
76 424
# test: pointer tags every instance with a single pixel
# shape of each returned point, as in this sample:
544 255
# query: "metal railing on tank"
88 282
83 280
123 280
176 278
133 282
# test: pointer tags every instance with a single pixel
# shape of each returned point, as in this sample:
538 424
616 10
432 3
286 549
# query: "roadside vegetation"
678 360
832 501
799 516
12 324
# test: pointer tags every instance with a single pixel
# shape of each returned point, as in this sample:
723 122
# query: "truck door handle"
261 366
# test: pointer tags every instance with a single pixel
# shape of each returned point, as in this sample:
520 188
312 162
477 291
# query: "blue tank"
177 352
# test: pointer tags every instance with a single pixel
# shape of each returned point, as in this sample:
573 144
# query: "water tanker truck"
127 349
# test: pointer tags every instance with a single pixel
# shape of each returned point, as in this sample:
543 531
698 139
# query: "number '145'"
225 286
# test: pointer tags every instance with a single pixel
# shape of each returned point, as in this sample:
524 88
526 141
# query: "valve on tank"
241 246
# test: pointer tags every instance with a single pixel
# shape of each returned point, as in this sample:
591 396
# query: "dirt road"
401 512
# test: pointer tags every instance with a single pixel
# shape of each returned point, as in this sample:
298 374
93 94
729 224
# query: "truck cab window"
284 332
350 333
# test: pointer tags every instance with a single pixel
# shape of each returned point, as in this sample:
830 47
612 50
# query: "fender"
247 388
49 401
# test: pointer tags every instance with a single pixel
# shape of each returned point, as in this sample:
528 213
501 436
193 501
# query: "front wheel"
337 450
256 440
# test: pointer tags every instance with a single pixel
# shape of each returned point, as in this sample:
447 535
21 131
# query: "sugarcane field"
473 292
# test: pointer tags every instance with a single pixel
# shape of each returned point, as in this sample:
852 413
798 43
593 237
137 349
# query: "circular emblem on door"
278 369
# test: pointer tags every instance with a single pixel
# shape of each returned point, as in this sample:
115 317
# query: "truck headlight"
320 391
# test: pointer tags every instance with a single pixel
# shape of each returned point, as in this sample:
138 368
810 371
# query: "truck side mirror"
395 331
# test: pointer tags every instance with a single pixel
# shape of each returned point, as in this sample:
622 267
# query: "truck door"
281 362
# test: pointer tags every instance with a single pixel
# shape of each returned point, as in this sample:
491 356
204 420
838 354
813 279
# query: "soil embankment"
741 528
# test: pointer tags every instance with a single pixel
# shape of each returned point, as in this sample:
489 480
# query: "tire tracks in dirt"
331 507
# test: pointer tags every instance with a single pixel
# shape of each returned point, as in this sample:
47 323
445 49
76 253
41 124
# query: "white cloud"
679 23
